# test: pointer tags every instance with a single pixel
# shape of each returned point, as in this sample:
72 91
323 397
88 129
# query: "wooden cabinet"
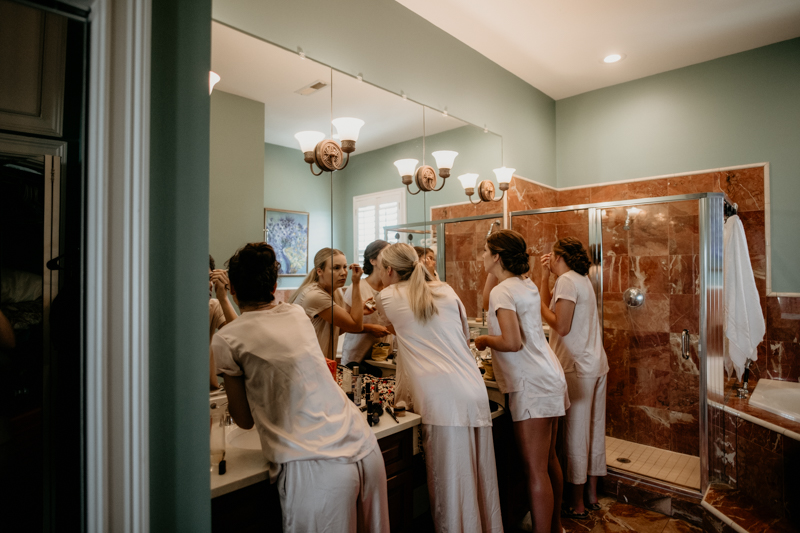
32 59
258 508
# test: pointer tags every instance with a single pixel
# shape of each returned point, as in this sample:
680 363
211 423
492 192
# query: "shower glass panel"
653 395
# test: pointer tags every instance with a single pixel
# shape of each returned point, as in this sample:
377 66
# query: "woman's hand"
481 342
545 259
221 283
369 306
357 273
376 330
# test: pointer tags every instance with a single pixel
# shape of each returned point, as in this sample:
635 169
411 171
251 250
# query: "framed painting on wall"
287 232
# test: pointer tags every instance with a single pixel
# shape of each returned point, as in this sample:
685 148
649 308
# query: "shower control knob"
633 297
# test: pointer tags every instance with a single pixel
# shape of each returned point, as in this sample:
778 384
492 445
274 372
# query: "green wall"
180 497
398 50
289 184
236 172
735 110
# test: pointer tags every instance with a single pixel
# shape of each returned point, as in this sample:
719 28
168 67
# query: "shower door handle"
685 343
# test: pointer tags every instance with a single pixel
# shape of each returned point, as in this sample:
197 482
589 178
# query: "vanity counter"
247 467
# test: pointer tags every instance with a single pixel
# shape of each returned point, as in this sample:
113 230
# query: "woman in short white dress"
528 371
576 337
436 365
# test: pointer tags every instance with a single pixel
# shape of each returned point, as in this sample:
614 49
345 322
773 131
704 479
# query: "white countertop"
247 467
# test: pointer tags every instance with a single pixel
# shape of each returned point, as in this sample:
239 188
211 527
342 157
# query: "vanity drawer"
397 451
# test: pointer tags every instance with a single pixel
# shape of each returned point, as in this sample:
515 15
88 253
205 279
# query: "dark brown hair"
574 254
372 251
211 263
253 271
512 249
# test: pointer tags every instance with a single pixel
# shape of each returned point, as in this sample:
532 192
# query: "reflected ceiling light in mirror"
486 188
213 79
406 168
468 181
425 176
444 160
328 154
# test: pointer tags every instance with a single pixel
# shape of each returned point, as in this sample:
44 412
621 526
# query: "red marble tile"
684 208
745 187
677 362
615 236
618 419
684 235
760 476
684 393
782 361
470 301
693 184
616 344
608 193
615 312
647 188
654 315
574 196
650 273
783 318
465 247
649 387
649 350
651 426
684 431
760 436
579 231
684 313
615 273
624 517
684 274
649 233
524 195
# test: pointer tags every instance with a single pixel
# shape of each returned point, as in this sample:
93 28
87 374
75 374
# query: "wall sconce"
486 187
632 212
213 79
425 176
326 153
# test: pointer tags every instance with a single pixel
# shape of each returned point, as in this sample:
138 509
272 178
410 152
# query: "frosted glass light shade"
348 128
468 181
213 79
406 167
308 139
504 174
445 158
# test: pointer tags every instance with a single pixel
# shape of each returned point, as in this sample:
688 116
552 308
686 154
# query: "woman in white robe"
439 372
320 450
528 371
576 337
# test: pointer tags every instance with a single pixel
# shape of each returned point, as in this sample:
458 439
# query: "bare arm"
510 338
238 406
212 370
561 319
491 283
221 286
7 337
351 321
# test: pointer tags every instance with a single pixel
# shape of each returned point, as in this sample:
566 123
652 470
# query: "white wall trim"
117 210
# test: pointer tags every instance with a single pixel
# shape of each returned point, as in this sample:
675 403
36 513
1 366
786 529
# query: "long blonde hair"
403 259
320 261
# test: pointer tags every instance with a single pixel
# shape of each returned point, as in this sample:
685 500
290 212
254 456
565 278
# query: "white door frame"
117 255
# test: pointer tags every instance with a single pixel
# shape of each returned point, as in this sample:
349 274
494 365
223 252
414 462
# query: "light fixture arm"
311 166
408 188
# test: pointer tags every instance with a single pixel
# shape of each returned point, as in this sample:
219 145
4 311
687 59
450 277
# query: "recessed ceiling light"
613 58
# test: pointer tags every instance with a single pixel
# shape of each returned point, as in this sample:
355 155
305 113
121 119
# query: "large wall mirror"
265 96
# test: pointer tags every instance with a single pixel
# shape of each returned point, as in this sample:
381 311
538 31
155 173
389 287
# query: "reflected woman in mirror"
319 448
576 337
428 258
358 346
220 310
447 391
322 300
528 371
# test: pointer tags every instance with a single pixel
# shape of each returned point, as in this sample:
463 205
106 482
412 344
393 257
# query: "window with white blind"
371 213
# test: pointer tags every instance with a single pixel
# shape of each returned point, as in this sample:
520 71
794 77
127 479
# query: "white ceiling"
558 45
263 72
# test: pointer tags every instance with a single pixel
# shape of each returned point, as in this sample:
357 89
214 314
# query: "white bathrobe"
744 321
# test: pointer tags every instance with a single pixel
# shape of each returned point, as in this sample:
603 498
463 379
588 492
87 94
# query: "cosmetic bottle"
356 386
368 395
347 383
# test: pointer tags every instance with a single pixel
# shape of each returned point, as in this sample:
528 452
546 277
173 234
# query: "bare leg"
556 480
591 489
534 439
577 498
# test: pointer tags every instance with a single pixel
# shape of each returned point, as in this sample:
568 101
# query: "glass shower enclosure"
657 272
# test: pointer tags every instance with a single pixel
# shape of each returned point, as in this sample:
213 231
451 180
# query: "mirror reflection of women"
576 337
322 300
319 448
528 371
358 346
428 258
446 389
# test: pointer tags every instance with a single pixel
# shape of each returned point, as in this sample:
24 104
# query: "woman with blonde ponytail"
321 299
437 367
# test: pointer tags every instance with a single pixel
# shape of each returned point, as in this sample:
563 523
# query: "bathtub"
779 397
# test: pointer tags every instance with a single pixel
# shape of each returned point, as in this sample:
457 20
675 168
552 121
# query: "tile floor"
664 465
617 516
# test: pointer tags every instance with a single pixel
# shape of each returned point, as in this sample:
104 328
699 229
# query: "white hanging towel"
744 321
